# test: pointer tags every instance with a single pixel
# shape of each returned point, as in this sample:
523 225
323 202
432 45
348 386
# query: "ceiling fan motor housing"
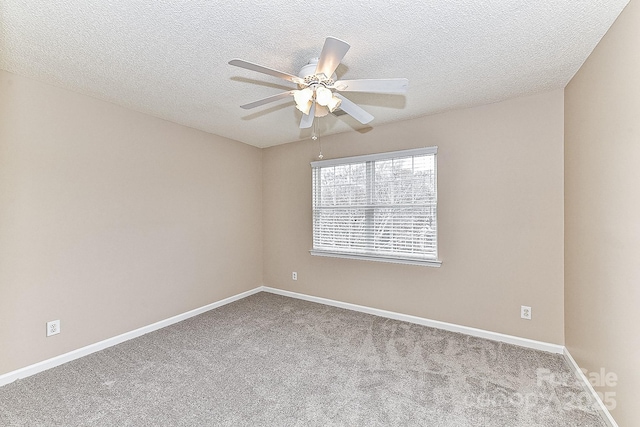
311 79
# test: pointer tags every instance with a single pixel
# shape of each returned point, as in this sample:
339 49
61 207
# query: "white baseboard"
92 348
481 333
602 409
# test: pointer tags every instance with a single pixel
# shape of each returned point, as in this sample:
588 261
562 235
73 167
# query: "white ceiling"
170 58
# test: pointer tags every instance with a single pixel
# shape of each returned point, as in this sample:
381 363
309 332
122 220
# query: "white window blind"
381 207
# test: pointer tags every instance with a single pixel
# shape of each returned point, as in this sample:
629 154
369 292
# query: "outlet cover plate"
53 327
525 312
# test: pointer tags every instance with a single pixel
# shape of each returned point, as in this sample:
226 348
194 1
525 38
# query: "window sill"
424 263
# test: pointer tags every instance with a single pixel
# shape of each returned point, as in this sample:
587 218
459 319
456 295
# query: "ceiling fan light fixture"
334 103
323 96
321 110
305 108
303 99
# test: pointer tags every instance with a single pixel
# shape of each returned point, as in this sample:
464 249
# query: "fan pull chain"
314 133
316 136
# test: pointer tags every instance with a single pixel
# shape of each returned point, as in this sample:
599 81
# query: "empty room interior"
173 250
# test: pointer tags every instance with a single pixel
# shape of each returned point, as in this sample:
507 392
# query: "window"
378 207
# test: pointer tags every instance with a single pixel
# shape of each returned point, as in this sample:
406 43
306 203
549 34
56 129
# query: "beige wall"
500 183
602 213
111 220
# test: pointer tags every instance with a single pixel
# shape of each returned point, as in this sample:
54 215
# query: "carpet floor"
269 360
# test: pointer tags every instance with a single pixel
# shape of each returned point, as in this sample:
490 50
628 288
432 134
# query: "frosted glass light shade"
323 96
334 103
305 108
303 99
303 96
321 110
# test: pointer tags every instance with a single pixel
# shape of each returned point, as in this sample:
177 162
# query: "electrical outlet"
294 275
525 312
53 327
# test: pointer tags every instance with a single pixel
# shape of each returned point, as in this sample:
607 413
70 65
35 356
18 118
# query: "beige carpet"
269 360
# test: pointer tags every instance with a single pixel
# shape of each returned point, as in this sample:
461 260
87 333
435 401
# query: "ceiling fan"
318 86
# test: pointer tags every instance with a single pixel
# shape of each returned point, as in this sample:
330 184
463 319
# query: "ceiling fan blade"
267 100
372 85
354 110
332 53
265 70
307 119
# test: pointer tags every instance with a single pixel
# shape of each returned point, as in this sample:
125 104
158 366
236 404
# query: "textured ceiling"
170 58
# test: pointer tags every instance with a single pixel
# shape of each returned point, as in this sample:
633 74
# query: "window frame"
368 159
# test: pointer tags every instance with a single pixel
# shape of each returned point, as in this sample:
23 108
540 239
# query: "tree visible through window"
380 206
